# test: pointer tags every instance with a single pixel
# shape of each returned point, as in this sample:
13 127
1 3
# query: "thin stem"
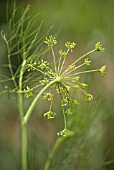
62 65
21 75
59 64
2 81
90 52
63 62
51 105
53 54
20 106
9 59
64 116
51 154
35 87
83 72
83 91
30 109
80 65
37 69
24 146
73 70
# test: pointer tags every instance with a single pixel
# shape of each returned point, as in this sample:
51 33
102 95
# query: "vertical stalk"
63 62
24 146
23 134
23 123
20 106
64 117
53 54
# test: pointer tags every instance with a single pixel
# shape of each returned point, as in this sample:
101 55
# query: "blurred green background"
84 22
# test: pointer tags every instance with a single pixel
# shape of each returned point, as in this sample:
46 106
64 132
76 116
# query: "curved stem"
90 52
30 109
51 154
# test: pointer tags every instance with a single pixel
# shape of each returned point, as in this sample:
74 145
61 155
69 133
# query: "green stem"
51 154
83 56
30 109
23 124
53 54
83 72
59 64
20 106
63 62
20 97
62 65
64 117
68 72
21 75
24 146
9 59
23 134
37 69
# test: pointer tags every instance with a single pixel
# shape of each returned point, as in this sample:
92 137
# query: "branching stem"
30 109
83 56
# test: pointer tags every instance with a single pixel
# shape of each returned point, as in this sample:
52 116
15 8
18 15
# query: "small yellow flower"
98 47
88 97
50 114
102 70
51 41
62 53
70 45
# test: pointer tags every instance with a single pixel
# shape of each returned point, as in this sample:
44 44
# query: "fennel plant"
33 73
